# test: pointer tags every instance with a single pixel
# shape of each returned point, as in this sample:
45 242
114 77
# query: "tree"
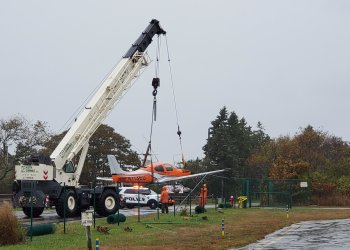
35 138
19 135
258 163
103 142
216 148
311 155
229 145
12 132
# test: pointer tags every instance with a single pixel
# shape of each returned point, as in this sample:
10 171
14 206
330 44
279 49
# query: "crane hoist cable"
175 106
155 85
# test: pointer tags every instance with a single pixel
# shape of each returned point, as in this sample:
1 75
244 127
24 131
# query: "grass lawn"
242 226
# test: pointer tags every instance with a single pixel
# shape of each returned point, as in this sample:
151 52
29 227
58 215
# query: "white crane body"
48 178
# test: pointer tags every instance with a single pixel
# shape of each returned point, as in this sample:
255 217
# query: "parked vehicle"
177 189
134 196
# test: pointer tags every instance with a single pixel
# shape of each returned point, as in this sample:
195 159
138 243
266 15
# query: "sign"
87 218
303 184
39 172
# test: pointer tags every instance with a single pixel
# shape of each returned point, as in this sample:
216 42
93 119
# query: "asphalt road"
311 235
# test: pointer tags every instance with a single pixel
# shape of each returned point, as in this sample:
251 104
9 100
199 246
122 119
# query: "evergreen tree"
230 143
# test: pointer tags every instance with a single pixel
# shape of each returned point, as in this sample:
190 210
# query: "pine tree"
230 143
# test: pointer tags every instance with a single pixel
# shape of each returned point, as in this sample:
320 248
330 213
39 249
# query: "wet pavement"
323 235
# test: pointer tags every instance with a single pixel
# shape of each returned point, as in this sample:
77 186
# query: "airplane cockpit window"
159 168
168 167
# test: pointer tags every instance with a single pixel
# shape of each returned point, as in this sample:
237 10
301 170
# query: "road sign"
303 184
87 218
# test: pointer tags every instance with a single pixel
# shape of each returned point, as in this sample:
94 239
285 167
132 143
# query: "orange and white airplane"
159 172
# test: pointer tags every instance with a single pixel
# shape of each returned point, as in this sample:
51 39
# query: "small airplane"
158 172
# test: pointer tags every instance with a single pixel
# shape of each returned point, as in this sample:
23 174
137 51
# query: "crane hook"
155 84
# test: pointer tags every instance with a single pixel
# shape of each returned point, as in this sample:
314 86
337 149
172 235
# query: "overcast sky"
283 63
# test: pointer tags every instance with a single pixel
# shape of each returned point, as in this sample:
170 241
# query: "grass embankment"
242 226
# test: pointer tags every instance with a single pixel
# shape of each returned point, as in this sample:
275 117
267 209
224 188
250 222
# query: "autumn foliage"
311 155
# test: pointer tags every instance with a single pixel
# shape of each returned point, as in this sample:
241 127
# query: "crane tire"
108 203
37 211
69 200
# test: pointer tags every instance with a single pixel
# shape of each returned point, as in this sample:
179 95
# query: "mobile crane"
58 177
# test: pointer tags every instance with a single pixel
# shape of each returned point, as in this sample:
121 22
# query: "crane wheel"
108 203
68 200
37 211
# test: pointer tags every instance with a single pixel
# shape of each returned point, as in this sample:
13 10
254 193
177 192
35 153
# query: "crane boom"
97 109
110 92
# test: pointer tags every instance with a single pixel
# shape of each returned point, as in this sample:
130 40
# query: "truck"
56 176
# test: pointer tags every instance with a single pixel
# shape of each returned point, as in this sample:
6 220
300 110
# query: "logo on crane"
46 174
65 149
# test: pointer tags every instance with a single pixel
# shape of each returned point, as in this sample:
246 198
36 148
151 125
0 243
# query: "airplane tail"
114 166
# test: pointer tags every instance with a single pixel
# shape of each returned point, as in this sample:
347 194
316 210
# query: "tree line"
311 155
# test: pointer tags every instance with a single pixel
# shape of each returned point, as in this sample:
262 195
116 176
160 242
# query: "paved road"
320 235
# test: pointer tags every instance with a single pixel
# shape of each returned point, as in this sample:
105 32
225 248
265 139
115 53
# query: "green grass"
242 226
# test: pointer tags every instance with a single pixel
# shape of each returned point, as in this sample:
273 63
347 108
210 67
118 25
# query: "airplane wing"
176 178
104 178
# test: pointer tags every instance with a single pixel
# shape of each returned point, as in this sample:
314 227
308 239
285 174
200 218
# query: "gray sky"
284 63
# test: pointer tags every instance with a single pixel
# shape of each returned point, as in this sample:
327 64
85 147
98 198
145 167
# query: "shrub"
199 210
10 230
114 218
183 212
343 185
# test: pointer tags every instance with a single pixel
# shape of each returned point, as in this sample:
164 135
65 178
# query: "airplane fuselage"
150 173
159 172
133 178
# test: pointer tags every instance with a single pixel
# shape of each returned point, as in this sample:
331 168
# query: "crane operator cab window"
69 167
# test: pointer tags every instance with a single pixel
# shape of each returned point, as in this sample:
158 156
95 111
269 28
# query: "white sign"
303 184
39 172
87 218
